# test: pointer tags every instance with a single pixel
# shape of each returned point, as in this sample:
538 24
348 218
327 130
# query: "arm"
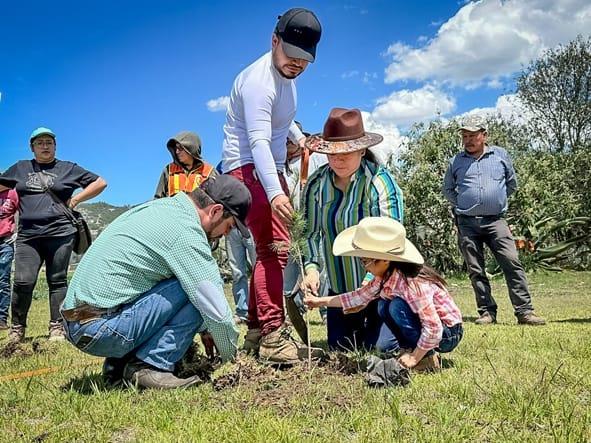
350 302
449 186
162 188
510 177
388 196
295 135
312 214
92 190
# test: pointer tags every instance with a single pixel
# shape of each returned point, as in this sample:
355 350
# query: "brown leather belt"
84 313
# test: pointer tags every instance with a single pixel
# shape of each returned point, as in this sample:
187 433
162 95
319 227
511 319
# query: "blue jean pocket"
103 337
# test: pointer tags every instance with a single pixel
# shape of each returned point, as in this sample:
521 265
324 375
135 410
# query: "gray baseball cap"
300 33
473 123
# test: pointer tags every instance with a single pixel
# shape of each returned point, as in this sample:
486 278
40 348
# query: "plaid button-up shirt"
429 301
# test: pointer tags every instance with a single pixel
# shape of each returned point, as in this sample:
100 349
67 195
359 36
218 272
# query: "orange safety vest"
179 180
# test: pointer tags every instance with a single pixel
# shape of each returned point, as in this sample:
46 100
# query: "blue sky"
115 80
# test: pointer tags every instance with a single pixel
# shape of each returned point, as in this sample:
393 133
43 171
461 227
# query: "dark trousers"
30 254
360 330
406 326
474 233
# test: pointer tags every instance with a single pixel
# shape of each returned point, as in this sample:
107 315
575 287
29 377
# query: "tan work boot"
278 347
530 319
252 341
486 318
429 363
16 334
56 331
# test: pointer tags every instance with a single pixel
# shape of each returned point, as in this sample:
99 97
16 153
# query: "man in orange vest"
187 170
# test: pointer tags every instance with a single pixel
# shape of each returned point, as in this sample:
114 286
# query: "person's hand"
73 202
312 301
208 344
311 282
282 207
408 361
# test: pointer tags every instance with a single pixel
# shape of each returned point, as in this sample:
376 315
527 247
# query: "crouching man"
149 283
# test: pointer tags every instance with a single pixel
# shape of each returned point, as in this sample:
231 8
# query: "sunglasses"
367 261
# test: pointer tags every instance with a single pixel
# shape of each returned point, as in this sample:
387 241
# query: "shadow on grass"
572 320
88 384
447 363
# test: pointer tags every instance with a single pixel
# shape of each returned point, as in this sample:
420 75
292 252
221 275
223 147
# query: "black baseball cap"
300 32
233 195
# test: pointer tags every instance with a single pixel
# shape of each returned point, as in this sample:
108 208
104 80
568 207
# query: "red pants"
265 301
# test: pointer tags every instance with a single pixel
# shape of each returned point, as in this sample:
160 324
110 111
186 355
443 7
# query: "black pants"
474 233
30 254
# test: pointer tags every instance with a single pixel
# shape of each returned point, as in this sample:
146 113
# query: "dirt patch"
195 363
23 349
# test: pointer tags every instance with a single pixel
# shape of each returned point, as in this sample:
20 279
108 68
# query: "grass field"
503 383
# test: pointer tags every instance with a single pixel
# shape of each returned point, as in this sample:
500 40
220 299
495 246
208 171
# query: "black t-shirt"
39 215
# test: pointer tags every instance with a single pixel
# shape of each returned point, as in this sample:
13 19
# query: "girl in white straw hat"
413 300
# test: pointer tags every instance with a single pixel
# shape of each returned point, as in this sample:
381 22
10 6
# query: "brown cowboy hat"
343 133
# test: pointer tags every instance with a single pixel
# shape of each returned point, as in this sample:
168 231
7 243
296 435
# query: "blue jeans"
158 327
360 330
6 256
406 326
240 252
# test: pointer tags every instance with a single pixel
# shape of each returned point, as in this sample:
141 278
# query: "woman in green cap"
45 233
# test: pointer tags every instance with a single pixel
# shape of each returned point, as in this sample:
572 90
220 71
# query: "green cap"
41 131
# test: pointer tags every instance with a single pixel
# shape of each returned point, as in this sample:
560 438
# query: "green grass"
503 383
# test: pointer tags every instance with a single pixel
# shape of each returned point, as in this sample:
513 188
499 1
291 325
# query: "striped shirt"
373 192
480 186
150 243
433 304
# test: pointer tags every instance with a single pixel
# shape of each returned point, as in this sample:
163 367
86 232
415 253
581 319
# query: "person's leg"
403 322
27 262
344 331
158 327
56 252
386 340
503 247
450 338
238 266
472 248
6 256
271 239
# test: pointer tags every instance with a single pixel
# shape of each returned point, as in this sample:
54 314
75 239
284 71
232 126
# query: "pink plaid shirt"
430 302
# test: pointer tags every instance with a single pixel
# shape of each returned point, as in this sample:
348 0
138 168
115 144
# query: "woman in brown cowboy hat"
339 195
412 297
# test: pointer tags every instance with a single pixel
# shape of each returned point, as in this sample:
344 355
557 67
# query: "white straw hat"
382 238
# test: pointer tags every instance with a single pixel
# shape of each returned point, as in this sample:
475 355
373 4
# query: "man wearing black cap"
146 287
260 117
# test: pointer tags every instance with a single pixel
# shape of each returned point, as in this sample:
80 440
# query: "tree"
556 89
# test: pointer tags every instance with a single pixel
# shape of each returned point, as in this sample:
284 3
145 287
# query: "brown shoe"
144 376
252 341
56 331
16 334
530 319
278 347
486 319
429 363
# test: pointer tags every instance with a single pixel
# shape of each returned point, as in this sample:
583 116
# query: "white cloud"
392 138
349 74
488 40
508 107
369 76
405 107
218 104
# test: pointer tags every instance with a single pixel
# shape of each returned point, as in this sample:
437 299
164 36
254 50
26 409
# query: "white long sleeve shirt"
259 119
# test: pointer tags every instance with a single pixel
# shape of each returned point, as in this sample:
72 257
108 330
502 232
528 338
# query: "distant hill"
99 215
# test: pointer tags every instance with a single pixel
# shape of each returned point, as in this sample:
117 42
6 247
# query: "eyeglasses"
367 261
44 143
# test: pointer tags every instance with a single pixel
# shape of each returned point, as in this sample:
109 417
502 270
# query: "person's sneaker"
252 341
429 363
278 347
486 318
3 325
145 376
56 331
16 334
530 319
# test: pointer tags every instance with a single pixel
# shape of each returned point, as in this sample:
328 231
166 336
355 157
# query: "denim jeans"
6 256
360 330
241 255
158 327
406 326
30 254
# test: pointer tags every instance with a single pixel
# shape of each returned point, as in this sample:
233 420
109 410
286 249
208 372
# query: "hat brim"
343 246
471 128
317 143
242 228
293 51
